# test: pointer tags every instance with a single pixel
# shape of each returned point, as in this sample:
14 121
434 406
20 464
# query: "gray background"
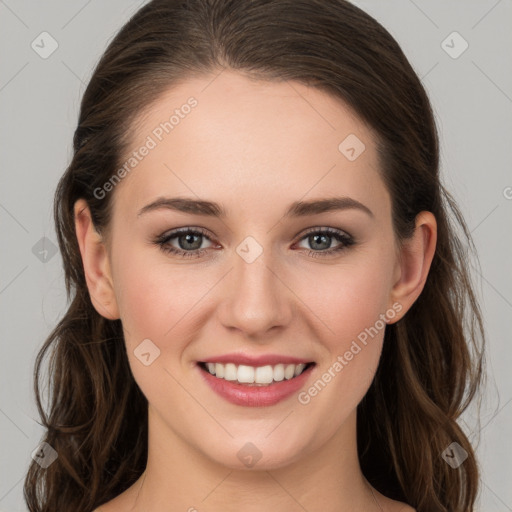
39 99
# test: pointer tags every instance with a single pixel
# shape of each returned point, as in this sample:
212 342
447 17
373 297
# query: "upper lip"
261 360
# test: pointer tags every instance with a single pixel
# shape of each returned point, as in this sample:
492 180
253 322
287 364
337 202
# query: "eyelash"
163 241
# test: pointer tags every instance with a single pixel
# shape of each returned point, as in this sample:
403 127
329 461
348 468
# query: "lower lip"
255 396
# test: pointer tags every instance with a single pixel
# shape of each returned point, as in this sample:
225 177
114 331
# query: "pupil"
326 244
187 238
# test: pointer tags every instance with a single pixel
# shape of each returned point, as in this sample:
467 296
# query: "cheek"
143 299
351 301
157 299
160 301
348 298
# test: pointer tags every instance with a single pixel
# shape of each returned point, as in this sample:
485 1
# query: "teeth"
262 375
230 372
219 370
279 372
245 374
299 369
289 371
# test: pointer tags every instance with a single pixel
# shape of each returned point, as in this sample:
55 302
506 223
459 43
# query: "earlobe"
416 256
96 263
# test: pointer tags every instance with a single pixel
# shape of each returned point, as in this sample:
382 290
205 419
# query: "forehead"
227 136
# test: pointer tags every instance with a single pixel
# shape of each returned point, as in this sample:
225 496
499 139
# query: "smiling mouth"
254 375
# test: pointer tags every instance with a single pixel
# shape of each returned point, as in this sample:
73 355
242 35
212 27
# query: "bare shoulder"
110 506
120 503
406 508
395 506
390 505
107 507
398 506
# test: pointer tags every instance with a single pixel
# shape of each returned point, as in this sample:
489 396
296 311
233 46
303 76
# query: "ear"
416 256
96 263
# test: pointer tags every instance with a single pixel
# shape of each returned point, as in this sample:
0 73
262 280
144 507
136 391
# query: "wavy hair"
431 365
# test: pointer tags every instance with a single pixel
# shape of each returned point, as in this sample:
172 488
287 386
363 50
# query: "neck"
179 477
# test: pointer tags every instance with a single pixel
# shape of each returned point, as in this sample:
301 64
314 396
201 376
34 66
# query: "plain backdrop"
461 50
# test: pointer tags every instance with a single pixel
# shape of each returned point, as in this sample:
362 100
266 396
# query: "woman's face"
265 279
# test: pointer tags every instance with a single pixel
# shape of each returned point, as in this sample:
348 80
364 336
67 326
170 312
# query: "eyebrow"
212 209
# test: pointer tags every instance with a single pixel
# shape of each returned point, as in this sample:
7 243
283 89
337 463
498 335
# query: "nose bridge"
256 300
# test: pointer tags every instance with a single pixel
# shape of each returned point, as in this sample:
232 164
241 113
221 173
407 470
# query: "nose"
257 299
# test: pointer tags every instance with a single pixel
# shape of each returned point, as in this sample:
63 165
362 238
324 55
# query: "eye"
321 238
190 240
187 239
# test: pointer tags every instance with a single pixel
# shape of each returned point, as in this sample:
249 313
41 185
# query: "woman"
214 356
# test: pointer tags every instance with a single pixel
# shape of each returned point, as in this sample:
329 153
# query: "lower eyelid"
344 241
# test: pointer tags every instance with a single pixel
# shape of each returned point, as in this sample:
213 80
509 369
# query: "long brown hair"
432 360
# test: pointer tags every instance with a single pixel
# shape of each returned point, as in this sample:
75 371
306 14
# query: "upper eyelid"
169 235
327 229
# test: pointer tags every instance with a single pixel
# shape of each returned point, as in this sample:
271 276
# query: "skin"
254 147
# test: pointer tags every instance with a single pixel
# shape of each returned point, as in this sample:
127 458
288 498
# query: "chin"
255 453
